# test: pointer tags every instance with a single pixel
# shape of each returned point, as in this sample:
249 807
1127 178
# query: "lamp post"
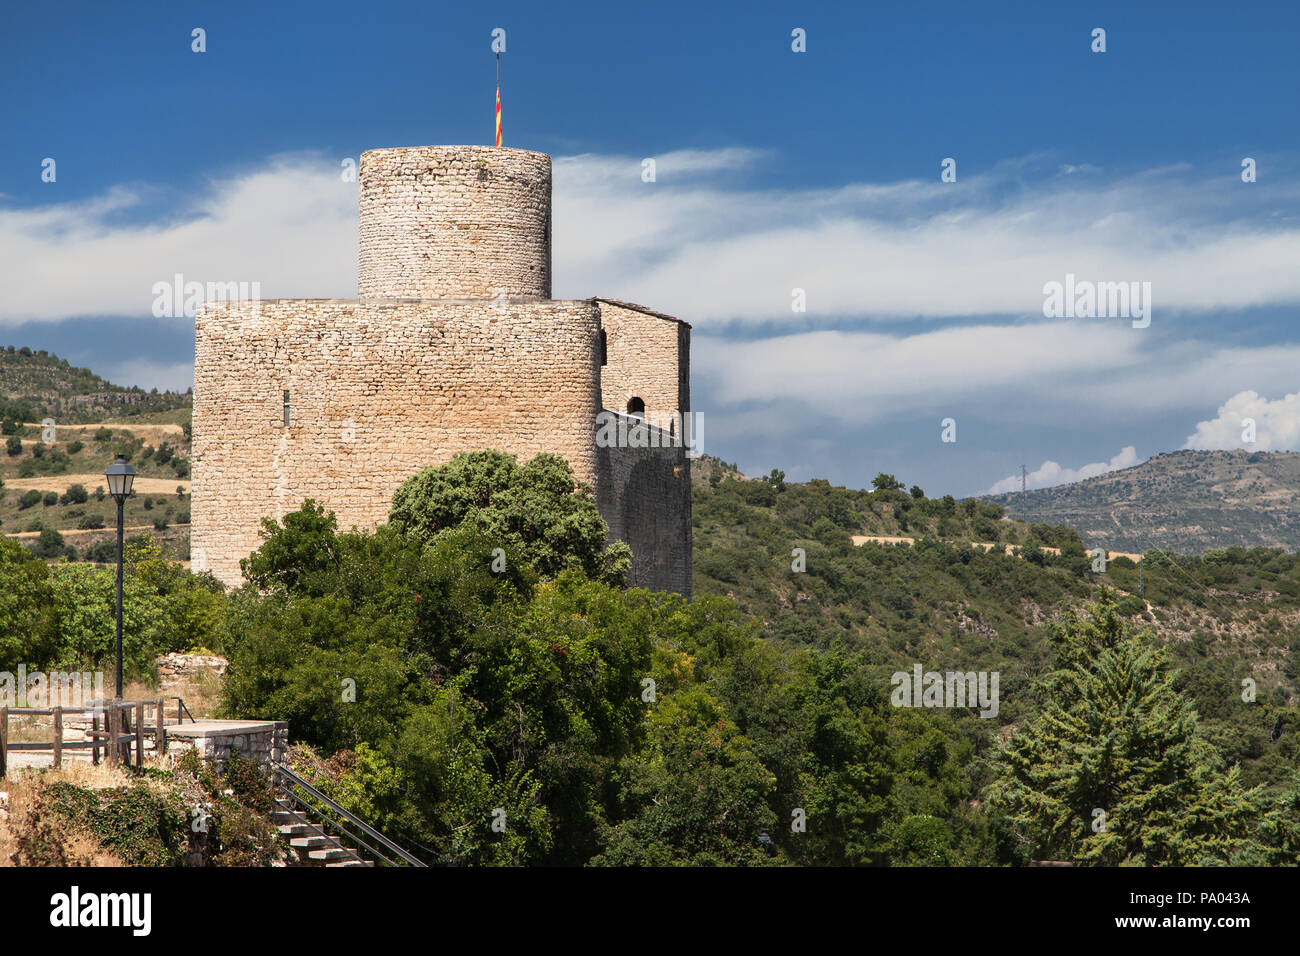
120 476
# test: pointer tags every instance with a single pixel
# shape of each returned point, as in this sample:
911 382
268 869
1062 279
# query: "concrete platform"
220 728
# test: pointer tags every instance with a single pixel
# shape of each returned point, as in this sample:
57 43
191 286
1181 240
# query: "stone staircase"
313 846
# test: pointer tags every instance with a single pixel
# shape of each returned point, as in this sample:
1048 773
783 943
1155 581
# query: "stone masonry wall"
453 345
266 746
455 222
647 356
644 495
377 392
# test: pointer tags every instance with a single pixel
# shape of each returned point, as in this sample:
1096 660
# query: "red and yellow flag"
498 114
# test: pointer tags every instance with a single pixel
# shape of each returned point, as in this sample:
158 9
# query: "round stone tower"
455 222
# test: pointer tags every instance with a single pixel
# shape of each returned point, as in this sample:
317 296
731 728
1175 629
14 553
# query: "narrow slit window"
604 352
286 408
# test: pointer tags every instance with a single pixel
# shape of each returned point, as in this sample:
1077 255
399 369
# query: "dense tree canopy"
536 508
474 681
1113 770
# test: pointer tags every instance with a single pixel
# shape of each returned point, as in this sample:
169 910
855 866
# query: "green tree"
85 599
28 622
846 783
76 494
697 795
49 545
536 509
295 553
884 482
1116 736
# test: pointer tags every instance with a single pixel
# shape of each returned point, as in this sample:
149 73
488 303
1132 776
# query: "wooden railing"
116 735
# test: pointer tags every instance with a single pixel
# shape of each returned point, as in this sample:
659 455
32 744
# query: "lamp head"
120 477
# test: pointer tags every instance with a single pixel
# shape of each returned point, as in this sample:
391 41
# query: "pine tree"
1116 737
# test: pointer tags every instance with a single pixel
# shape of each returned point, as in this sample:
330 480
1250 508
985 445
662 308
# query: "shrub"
144 828
1130 604
76 446
29 500
91 522
104 552
76 494
49 545
148 504
103 435
518 506
14 446
51 499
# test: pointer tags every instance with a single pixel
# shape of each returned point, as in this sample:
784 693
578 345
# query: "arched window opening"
636 407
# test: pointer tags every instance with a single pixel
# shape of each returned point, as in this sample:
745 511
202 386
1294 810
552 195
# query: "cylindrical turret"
455 222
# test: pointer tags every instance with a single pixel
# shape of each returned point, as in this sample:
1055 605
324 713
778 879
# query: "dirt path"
70 532
60 483
153 434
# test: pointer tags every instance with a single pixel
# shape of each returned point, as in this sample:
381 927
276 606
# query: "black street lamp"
120 476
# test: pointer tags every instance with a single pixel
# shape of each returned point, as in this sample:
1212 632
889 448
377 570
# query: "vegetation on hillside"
475 686
50 488
1222 618
35 385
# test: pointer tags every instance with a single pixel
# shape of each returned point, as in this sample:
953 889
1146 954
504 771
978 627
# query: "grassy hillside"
1226 615
53 495
1184 501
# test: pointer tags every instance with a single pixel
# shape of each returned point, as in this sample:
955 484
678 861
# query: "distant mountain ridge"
1188 502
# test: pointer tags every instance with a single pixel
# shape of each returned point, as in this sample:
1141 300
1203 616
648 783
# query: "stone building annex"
453 344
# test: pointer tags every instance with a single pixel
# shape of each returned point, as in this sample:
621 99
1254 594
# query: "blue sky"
775 170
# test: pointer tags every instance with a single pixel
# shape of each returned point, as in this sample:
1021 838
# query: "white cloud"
290 224
1050 473
701 242
864 376
1277 424
717 252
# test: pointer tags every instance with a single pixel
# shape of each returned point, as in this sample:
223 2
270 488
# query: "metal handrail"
298 801
294 780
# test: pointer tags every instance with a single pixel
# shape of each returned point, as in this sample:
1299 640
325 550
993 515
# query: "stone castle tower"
454 344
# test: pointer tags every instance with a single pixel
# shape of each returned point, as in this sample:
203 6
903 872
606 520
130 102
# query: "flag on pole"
498 99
